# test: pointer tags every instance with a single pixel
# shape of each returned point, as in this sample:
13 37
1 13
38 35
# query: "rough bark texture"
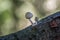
41 31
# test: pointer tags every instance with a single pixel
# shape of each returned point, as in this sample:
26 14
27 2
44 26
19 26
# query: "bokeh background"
12 13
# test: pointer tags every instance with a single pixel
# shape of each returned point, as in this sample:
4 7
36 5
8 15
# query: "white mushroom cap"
29 15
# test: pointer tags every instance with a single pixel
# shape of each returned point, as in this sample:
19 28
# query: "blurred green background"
12 13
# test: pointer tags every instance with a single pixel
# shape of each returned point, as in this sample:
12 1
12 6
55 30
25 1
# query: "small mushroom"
29 15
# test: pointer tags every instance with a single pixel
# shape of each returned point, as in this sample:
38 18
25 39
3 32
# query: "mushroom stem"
31 21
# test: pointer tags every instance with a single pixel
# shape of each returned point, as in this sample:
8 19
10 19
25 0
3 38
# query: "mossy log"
45 29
